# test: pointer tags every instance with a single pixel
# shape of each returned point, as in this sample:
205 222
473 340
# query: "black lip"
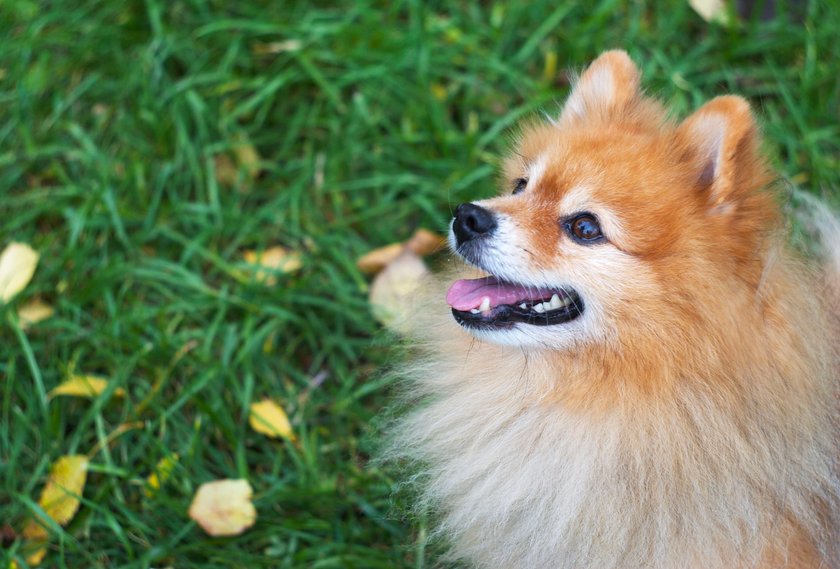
505 316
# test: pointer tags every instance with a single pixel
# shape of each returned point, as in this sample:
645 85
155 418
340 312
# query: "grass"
370 119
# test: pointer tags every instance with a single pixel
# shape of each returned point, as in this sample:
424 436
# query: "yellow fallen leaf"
800 179
223 507
83 386
439 91
712 10
17 265
268 344
33 312
272 48
269 419
550 66
272 261
163 470
392 291
60 496
34 552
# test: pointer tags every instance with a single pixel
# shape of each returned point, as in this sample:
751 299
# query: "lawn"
145 146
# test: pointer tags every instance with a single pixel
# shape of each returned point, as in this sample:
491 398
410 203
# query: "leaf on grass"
550 66
392 291
35 552
248 159
84 386
227 172
17 265
275 47
33 312
268 418
712 10
800 179
271 262
439 91
60 496
223 507
378 259
163 470
224 170
423 242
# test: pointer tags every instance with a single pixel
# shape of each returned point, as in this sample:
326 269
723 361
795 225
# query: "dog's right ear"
608 86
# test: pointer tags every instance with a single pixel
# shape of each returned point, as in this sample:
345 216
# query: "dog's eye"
584 228
519 185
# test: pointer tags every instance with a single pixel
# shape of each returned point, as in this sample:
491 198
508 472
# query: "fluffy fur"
689 417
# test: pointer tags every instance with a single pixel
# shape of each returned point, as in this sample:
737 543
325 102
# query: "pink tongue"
468 294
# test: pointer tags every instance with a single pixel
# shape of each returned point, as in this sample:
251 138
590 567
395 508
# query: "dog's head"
613 219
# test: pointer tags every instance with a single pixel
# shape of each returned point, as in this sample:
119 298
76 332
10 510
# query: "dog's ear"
608 86
721 142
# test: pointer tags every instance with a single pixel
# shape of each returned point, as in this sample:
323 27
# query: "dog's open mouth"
490 303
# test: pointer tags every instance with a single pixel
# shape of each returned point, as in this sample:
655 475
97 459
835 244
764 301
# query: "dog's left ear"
606 88
721 144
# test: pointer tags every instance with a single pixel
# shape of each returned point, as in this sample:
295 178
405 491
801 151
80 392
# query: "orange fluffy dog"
644 374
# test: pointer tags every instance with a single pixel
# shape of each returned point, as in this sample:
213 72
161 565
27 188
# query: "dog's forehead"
592 162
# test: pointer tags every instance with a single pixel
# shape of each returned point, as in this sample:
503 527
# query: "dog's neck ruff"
689 480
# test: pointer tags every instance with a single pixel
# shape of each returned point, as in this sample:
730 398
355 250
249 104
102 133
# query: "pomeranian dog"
635 369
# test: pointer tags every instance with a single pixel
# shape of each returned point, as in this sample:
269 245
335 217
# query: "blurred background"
199 178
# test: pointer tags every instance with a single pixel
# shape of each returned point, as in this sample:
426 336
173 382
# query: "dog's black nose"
472 221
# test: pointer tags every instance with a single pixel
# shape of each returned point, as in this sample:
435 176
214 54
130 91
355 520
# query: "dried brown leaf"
425 242
379 258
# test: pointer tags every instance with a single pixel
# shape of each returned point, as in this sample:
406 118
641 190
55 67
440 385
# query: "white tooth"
539 308
555 302
523 306
474 310
485 304
546 306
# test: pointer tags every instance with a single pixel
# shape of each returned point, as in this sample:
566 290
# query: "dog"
631 367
